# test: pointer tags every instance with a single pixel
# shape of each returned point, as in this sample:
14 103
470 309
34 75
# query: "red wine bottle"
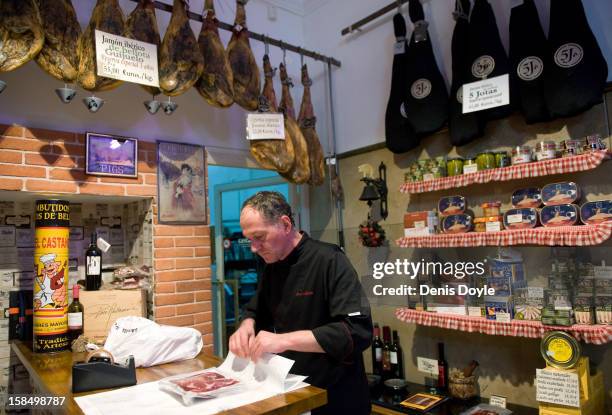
397 359
377 346
442 368
386 353
93 265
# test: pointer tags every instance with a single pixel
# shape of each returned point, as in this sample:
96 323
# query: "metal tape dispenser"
99 371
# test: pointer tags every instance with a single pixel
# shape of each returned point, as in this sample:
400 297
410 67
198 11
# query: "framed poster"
109 155
181 183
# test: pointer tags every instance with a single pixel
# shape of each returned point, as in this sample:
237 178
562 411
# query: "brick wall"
37 160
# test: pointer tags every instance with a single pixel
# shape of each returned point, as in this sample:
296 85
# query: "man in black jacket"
309 307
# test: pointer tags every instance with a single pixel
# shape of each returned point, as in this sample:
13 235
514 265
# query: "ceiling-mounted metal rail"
355 26
257 36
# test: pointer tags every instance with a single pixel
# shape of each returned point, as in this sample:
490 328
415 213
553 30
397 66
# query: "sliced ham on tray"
205 382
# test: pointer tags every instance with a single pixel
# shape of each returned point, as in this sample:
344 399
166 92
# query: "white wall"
361 86
30 99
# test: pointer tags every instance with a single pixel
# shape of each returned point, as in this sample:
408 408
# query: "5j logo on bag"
530 68
569 55
421 88
483 66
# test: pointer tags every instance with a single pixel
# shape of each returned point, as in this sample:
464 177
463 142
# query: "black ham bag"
399 134
529 57
464 128
578 70
426 98
487 57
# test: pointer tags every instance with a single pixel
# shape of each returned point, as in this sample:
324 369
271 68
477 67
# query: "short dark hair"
271 205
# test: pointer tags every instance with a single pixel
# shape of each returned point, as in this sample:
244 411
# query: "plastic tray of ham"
200 385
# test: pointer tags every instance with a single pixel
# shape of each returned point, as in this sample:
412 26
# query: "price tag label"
603 272
516 218
474 312
558 387
265 126
485 94
493 226
399 48
535 292
428 176
502 317
497 401
471 168
429 366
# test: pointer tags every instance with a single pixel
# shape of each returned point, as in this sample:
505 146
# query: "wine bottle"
377 347
386 353
93 269
75 315
397 360
442 368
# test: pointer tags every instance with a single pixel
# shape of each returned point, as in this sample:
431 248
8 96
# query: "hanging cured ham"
242 62
141 25
530 62
216 84
578 70
180 60
464 128
106 17
486 54
307 122
300 173
277 155
425 99
399 134
58 56
21 33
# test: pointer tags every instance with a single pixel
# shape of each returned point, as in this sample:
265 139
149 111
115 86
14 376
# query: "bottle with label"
75 315
386 353
93 265
397 360
442 368
377 347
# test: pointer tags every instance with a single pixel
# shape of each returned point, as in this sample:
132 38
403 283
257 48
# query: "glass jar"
521 155
467 165
485 161
577 145
502 159
491 208
454 166
546 150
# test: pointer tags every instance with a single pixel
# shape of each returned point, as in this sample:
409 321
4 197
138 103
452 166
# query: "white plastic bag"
150 343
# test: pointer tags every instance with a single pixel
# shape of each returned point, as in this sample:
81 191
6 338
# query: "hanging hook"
266 44
301 52
399 6
284 52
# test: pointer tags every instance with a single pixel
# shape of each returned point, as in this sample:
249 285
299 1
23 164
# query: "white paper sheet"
268 377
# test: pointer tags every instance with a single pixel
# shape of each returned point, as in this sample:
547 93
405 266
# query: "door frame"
298 199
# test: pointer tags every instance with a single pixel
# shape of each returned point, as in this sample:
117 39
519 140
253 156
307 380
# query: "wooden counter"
51 375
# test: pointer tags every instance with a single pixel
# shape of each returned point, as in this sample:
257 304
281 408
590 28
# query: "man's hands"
240 342
243 343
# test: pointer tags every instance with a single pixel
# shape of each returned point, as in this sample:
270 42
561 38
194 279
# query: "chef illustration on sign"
309 307
52 293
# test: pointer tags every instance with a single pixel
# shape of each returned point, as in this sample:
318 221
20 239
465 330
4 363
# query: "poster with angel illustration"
181 183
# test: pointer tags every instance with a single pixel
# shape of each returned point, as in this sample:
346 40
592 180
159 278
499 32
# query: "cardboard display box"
102 308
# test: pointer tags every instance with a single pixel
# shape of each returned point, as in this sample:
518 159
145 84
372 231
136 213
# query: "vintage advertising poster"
181 181
109 155
51 276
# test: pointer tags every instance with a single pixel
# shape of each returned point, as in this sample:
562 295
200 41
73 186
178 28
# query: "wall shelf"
595 334
578 235
583 162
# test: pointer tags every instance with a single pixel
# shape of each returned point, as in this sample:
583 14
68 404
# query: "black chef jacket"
316 288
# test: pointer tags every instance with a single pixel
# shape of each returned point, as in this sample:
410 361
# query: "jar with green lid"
502 159
454 166
423 164
485 161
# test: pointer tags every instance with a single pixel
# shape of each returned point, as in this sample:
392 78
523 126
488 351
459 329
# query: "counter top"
51 375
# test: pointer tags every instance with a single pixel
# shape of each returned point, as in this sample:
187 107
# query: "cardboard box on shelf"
102 308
